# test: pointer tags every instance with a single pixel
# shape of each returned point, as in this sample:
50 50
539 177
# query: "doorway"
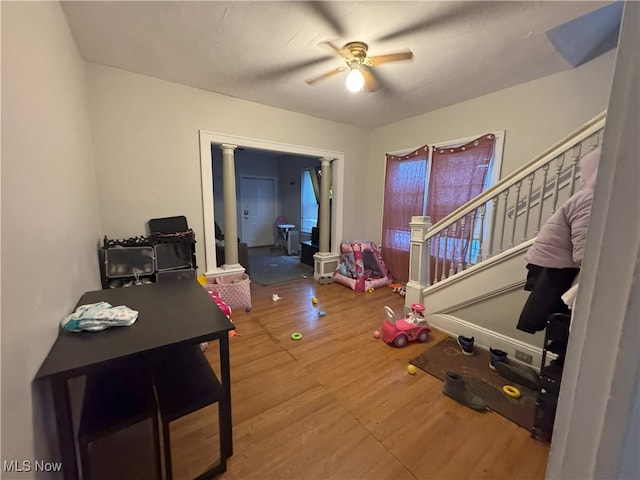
210 141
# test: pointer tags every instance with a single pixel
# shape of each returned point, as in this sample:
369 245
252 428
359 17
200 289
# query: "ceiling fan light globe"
355 81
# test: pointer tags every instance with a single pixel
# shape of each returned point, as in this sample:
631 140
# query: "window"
451 174
309 204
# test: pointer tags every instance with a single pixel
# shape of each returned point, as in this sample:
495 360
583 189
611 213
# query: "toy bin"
234 289
173 255
129 261
174 275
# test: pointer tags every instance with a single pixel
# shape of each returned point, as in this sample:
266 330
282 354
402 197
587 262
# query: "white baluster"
575 158
483 209
429 261
492 235
436 278
545 170
594 140
473 215
515 214
504 218
453 249
530 179
444 258
556 183
460 266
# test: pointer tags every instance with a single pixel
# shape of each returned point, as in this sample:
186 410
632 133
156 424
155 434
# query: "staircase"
469 268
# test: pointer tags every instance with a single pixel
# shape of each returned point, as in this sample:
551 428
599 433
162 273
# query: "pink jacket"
560 242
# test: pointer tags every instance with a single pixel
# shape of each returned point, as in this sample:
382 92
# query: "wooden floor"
339 404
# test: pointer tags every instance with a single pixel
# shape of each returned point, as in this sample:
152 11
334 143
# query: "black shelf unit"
114 400
175 255
129 261
555 341
158 257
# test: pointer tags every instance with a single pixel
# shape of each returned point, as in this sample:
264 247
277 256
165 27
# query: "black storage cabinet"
167 254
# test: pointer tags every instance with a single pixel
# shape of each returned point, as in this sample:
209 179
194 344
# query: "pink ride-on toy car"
398 332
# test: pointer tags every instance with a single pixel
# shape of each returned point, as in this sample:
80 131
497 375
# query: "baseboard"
484 338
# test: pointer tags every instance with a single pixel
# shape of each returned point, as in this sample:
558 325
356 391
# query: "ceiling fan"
359 65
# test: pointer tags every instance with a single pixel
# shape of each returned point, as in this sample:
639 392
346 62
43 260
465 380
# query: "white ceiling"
263 51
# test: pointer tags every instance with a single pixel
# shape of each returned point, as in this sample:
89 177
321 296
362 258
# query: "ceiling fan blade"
441 17
324 11
392 57
454 13
342 53
370 83
330 73
284 70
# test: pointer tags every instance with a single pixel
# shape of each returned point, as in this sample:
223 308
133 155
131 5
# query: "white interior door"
258 210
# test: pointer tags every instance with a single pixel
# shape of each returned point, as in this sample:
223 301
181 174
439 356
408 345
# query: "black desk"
170 315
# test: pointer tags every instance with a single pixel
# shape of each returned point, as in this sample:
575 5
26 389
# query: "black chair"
309 248
174 248
115 401
185 383
168 224
243 251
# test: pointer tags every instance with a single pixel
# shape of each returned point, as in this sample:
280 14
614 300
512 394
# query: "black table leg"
65 428
226 433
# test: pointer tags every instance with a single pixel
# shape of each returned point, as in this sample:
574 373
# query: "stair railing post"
418 261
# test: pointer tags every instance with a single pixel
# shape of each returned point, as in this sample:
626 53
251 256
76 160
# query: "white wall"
50 222
534 115
147 147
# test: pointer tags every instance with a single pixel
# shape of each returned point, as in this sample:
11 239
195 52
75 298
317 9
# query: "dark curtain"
403 198
457 176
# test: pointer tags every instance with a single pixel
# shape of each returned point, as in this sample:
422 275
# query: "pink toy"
226 309
398 332
361 267
376 334
416 314
215 296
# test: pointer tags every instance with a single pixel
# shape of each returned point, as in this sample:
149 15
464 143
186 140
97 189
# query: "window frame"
310 170
495 166
495 169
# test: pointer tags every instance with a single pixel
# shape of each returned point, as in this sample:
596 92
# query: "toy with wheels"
400 331
416 316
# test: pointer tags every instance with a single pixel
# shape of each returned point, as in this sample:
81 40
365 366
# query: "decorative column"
325 212
325 262
230 208
419 264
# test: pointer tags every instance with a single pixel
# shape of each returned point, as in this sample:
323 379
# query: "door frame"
207 139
